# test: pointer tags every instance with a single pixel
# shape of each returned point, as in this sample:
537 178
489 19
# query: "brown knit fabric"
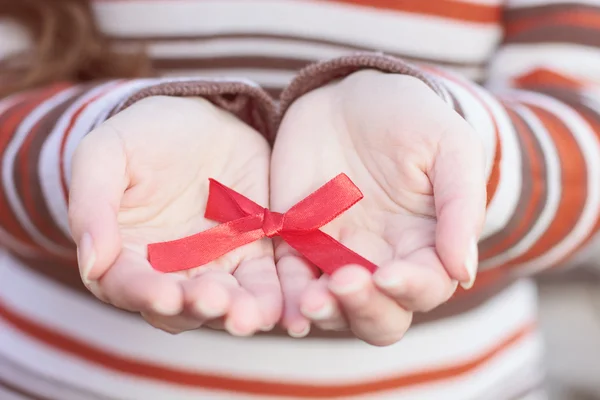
320 74
249 103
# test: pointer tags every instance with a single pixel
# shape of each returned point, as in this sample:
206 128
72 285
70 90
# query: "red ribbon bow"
243 222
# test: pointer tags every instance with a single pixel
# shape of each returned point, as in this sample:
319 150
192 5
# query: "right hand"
142 177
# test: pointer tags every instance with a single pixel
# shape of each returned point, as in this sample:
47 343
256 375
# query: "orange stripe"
546 77
7 219
573 186
596 127
208 381
584 19
536 191
450 9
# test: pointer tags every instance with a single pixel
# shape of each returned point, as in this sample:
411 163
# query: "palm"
395 219
162 196
389 146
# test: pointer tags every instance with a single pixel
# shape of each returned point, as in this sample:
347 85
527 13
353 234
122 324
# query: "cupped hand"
420 167
142 177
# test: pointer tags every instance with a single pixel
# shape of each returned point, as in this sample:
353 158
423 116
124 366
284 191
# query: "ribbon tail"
204 247
225 204
324 251
323 205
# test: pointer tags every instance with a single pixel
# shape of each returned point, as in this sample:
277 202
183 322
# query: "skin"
142 177
421 169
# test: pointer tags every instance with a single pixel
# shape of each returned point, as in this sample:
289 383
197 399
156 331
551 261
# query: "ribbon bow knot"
243 221
272 224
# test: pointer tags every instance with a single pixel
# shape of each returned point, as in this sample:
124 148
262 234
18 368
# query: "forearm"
40 130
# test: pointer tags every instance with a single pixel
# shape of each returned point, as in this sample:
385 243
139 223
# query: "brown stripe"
4 384
68 275
557 34
537 11
345 46
573 182
529 207
36 376
457 106
27 178
256 62
9 121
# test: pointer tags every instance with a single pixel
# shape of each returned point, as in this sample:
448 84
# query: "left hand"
421 169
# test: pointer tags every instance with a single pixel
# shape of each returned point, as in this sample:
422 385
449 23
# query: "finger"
418 283
458 178
373 316
216 298
172 324
321 307
259 277
132 284
295 274
207 296
98 181
244 317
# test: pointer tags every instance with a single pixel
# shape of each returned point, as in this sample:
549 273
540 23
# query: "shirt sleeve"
40 130
539 119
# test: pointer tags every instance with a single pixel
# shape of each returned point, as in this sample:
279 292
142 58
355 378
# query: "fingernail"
324 312
300 334
161 308
346 287
267 328
86 257
207 311
471 266
94 288
387 281
230 327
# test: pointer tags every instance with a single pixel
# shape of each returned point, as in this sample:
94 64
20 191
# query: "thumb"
98 181
459 187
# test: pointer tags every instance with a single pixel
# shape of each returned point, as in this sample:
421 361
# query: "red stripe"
209 381
573 186
19 112
449 9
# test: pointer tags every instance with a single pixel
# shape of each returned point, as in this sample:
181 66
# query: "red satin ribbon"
243 222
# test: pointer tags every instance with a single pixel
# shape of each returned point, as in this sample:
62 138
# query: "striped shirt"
523 73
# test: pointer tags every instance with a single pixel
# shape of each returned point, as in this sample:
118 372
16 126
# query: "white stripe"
6 395
331 21
529 3
48 167
506 198
78 374
249 47
553 185
515 60
36 384
8 164
471 334
588 142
